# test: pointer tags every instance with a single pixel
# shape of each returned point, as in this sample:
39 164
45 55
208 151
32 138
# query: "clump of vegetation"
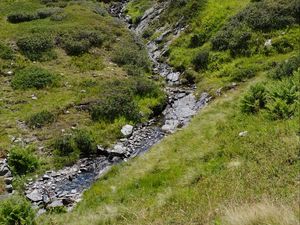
286 68
19 17
201 60
33 77
78 43
6 52
87 62
255 99
22 160
40 119
198 40
65 146
134 59
116 102
36 46
85 143
16 210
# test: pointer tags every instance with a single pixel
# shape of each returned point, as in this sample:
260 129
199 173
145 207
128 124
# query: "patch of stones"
6 174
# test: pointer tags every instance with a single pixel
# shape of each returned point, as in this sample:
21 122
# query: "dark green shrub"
242 74
47 12
130 54
198 40
85 143
74 47
65 146
286 68
35 45
255 99
16 210
22 161
6 52
116 102
146 87
201 60
19 17
33 77
189 76
40 119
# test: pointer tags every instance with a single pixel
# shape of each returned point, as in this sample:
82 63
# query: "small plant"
6 52
198 40
201 60
33 77
16 210
19 17
255 99
40 119
85 143
22 160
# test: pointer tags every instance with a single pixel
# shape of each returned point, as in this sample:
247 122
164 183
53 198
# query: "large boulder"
127 130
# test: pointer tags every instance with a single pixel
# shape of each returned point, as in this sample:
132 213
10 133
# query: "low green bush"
286 68
19 17
201 60
22 160
255 99
118 101
6 52
198 40
65 146
16 210
33 77
34 46
40 119
242 74
85 143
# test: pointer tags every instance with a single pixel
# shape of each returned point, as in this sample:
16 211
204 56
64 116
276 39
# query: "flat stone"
56 203
35 196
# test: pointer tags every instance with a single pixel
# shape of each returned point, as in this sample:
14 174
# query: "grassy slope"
73 71
192 176
206 173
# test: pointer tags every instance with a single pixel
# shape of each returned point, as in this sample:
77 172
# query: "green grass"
136 9
192 176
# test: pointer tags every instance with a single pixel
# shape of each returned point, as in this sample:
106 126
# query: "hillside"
73 73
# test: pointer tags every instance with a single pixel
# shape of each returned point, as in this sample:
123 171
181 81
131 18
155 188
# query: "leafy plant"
201 60
85 143
6 52
22 160
286 68
16 210
255 99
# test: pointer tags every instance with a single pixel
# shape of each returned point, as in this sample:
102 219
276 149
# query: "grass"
216 170
136 9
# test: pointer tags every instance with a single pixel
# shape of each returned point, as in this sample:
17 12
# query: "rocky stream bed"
65 187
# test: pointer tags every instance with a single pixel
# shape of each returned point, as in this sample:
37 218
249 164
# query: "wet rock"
56 203
8 180
35 196
67 201
9 188
127 130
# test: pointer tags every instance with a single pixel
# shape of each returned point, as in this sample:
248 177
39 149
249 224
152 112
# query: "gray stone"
56 203
8 180
35 196
127 130
243 133
9 188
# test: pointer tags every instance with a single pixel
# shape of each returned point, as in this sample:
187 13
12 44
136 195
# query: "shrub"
146 87
116 102
22 161
47 12
129 54
19 17
198 40
85 143
6 52
201 60
16 210
65 146
241 74
35 45
40 119
33 77
286 68
255 99
74 47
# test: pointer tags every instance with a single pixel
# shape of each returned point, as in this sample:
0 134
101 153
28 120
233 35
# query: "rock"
8 180
35 196
46 199
243 133
4 170
56 203
41 211
268 43
46 177
9 188
67 201
127 130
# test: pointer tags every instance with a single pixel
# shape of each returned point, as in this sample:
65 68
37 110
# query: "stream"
66 186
